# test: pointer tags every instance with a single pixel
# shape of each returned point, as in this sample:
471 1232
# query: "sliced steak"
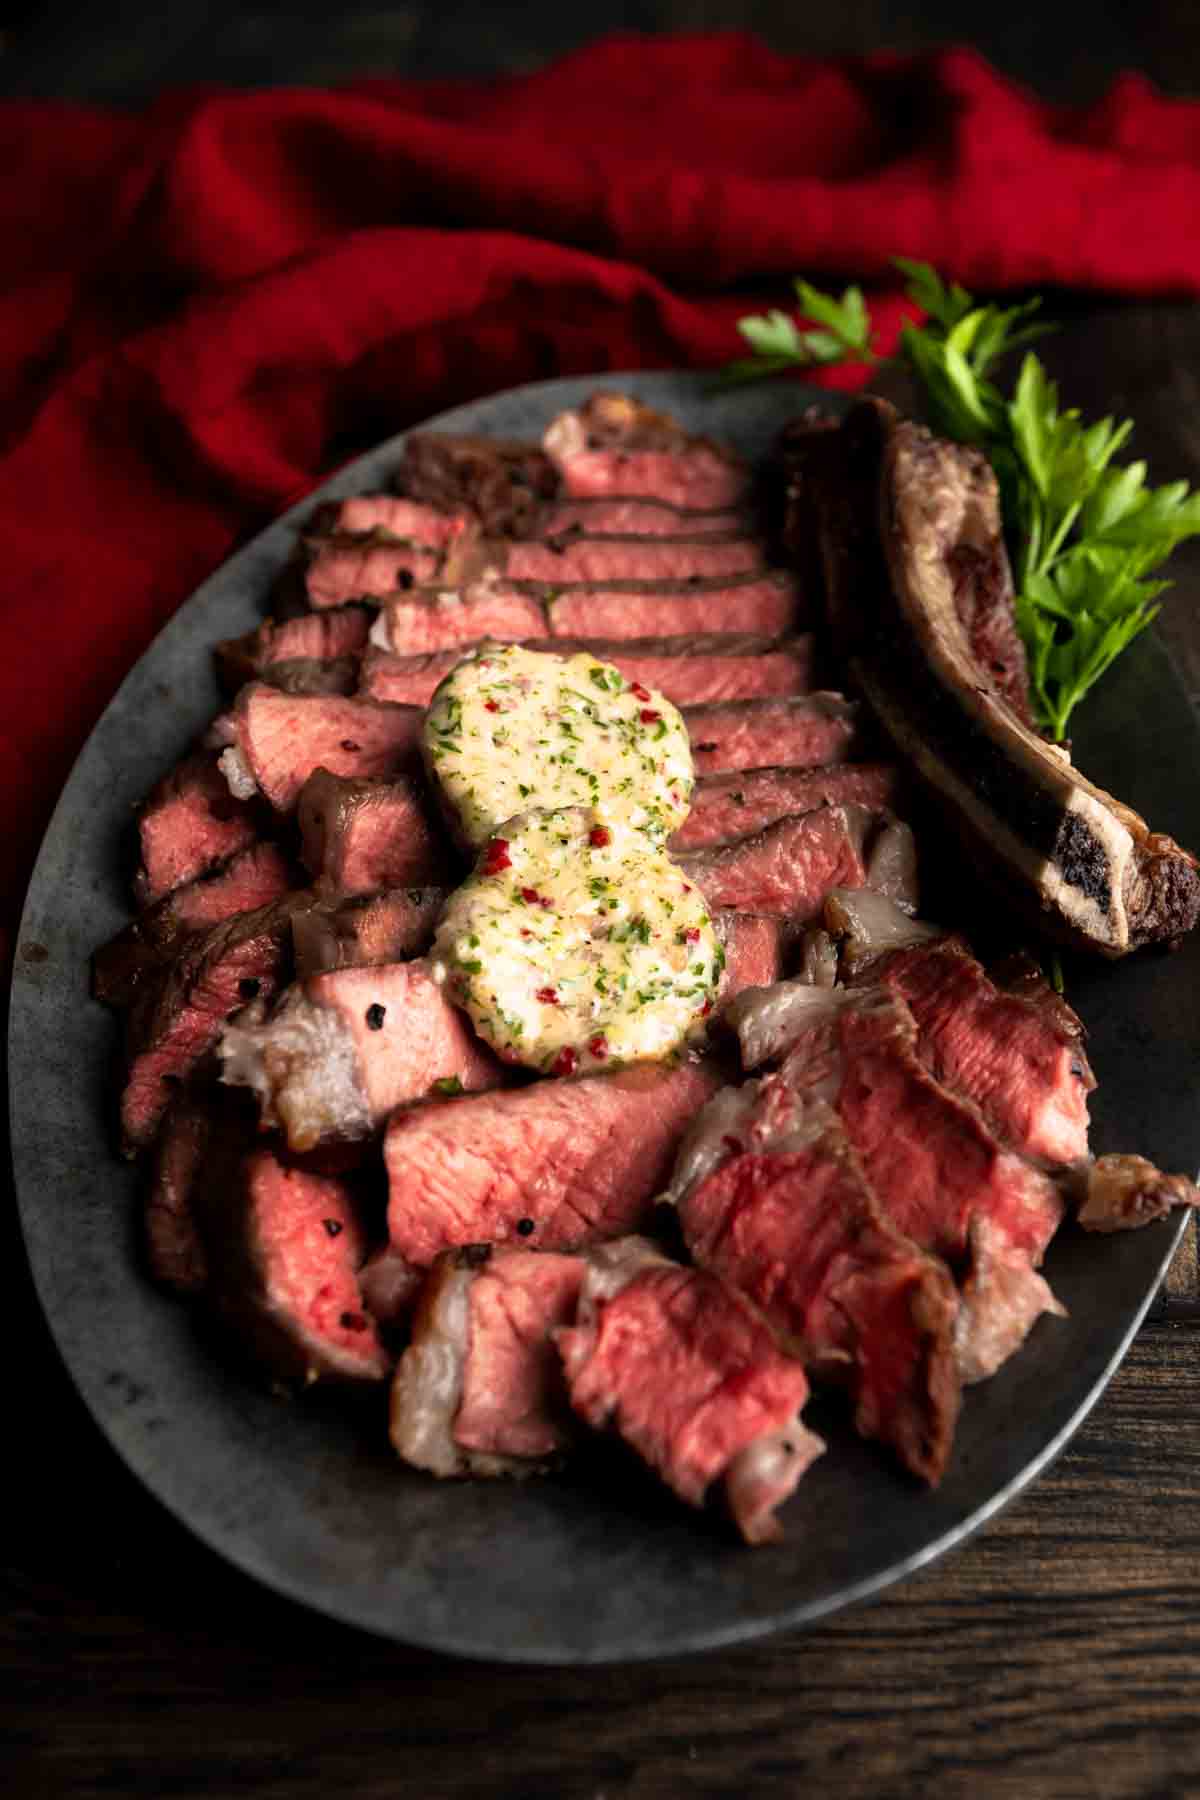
637 518
938 1173
480 1388
370 928
729 1408
409 521
502 483
754 949
360 835
784 1214
327 645
689 671
179 1021
189 823
284 1247
340 572
173 1242
252 878
800 733
613 445
417 624
611 557
281 739
558 1164
344 1048
764 605
1079 864
1027 1074
787 870
744 801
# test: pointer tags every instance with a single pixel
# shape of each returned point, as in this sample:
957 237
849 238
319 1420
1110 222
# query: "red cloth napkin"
206 306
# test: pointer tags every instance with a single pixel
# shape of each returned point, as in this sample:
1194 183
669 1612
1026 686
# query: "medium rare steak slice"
370 928
938 1173
1024 1070
747 800
615 445
753 953
341 572
784 1214
409 521
480 1388
344 1048
281 739
189 823
360 835
689 671
1080 865
252 878
501 482
284 1248
559 561
690 1378
799 733
179 1021
765 605
637 518
787 870
417 624
329 642
559 1164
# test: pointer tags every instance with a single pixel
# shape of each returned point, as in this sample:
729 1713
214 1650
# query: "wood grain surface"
1056 1655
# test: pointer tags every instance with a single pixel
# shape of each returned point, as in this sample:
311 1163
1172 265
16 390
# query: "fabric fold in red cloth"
205 307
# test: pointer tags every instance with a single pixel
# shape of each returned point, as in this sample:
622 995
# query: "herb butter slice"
578 945
510 730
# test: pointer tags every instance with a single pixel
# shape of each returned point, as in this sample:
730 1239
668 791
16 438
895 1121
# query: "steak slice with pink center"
787 870
480 1388
1026 1072
753 952
735 805
785 1215
359 835
638 518
557 561
682 1369
408 520
938 1173
369 928
417 624
688 671
340 572
765 605
252 878
179 1021
189 823
332 640
284 1249
344 1048
613 445
281 739
797 733
558 1164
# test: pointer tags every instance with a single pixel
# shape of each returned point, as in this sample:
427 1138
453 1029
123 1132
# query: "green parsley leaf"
1085 532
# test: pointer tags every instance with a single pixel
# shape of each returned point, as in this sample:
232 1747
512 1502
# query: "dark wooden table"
1058 1654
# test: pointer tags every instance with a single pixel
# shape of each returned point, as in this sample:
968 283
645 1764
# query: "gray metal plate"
597 1566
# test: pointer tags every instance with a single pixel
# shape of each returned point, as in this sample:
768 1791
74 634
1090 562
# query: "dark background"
1058 1654
123 51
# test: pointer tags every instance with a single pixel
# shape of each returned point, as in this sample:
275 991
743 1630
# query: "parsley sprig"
1085 533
